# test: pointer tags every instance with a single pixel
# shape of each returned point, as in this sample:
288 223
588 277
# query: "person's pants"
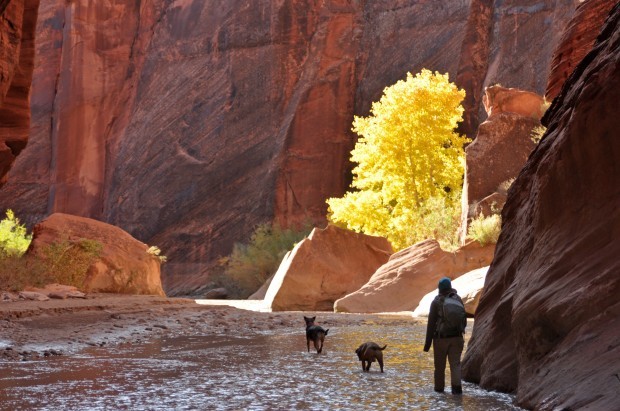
452 348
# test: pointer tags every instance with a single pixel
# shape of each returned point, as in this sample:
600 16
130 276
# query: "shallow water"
266 372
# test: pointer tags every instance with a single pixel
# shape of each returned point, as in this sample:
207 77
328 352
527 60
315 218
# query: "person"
446 325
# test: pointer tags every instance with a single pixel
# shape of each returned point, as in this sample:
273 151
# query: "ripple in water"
267 372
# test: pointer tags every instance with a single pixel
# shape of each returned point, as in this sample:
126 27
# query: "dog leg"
363 365
317 346
380 360
308 343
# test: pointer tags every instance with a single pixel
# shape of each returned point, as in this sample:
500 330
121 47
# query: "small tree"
14 239
409 158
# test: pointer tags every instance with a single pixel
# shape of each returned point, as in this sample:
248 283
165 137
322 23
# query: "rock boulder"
498 99
410 274
548 322
327 265
124 265
469 287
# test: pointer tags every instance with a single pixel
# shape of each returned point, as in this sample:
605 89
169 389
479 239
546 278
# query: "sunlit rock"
327 265
124 266
468 286
410 274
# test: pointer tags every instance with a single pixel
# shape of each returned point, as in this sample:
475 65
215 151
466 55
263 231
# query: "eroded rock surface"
327 265
548 323
577 40
410 274
124 266
18 19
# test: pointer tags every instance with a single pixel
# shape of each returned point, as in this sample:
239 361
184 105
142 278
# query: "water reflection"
268 372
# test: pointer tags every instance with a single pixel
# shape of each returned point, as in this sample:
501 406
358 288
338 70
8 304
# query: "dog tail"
383 348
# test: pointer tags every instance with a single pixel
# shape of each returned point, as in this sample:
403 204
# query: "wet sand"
35 329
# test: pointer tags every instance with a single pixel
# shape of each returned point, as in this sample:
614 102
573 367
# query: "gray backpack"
452 317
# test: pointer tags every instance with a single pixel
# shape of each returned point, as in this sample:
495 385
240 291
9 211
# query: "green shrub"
156 252
250 265
440 219
537 133
67 261
14 240
485 230
17 272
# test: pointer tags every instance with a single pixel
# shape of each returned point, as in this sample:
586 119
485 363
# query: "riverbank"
34 329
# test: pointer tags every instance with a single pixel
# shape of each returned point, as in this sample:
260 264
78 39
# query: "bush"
67 262
156 252
440 219
537 134
250 265
485 230
18 272
14 240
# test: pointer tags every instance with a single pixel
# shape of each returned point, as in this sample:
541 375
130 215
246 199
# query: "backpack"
452 317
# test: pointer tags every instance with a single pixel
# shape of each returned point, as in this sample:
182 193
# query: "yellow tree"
408 179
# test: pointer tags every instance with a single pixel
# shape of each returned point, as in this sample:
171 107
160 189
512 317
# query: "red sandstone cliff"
188 122
18 20
576 42
548 323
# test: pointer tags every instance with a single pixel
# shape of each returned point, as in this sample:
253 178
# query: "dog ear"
326 331
313 318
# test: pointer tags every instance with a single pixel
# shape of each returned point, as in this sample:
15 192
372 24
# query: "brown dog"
314 333
370 352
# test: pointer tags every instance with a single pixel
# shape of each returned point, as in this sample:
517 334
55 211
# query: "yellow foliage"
408 153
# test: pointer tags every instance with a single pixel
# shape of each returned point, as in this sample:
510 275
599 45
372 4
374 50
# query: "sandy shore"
35 329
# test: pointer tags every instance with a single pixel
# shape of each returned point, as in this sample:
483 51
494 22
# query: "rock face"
410 274
18 19
498 99
548 323
576 42
499 151
468 286
124 265
187 123
508 42
328 264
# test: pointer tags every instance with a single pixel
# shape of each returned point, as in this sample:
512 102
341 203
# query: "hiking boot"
457 389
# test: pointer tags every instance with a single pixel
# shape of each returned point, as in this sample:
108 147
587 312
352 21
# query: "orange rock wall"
186 123
18 20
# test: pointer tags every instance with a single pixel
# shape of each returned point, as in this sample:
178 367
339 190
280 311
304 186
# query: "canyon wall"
548 323
187 122
576 42
18 19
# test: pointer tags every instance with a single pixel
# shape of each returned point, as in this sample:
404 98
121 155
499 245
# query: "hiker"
446 325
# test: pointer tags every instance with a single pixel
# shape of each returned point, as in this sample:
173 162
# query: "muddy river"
271 371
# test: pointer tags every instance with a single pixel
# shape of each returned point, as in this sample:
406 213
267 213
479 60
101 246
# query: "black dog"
368 353
314 333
